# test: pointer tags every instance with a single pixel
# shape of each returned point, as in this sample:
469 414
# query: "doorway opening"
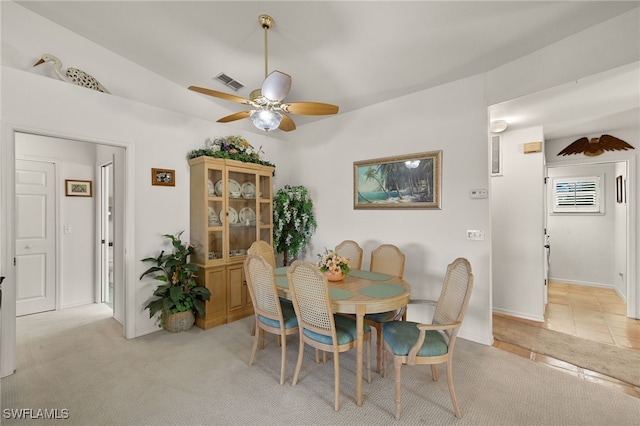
590 242
77 262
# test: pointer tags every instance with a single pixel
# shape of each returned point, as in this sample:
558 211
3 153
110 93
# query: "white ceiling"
352 54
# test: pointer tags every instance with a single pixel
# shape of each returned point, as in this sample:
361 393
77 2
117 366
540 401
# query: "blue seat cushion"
400 336
380 317
345 331
288 314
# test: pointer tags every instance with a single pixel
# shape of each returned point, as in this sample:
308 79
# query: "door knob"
29 246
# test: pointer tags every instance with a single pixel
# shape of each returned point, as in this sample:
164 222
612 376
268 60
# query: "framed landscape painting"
406 181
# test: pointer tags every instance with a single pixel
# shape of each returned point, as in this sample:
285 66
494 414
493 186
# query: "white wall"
583 245
451 118
517 228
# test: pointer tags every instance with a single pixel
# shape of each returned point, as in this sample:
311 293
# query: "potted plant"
293 221
179 297
334 267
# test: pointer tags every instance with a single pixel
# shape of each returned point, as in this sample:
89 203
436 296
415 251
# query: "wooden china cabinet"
231 207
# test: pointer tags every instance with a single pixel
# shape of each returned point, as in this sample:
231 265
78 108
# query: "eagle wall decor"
596 146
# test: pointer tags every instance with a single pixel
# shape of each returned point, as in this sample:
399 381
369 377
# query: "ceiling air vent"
229 81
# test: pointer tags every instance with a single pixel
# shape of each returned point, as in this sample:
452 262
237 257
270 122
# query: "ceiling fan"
269 110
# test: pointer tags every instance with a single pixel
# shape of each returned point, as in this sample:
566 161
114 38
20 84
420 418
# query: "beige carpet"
622 364
77 359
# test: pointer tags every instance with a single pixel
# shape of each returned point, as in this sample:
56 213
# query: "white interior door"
35 237
106 234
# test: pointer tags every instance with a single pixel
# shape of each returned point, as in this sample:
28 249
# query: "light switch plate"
478 193
475 234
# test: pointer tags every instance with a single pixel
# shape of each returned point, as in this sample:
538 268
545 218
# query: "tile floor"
591 313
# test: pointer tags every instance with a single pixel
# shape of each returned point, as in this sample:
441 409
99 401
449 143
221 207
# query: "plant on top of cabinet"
233 148
179 296
293 221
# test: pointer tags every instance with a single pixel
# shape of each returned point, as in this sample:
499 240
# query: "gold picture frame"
404 182
163 177
78 188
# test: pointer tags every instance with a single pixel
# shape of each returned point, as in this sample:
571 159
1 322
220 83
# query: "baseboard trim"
518 314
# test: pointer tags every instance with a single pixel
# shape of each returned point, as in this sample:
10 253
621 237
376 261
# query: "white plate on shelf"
218 188
233 216
247 215
212 189
248 190
234 188
214 220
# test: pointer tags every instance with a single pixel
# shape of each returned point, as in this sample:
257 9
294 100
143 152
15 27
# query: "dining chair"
386 259
318 326
352 251
270 314
415 343
264 249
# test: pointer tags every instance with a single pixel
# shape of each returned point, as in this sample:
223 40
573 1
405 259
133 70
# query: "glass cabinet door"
215 213
241 219
266 208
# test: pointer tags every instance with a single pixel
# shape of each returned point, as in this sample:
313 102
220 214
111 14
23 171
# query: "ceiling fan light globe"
265 119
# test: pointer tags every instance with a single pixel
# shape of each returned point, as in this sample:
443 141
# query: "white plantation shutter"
576 195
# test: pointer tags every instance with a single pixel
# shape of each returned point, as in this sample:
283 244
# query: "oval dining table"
359 293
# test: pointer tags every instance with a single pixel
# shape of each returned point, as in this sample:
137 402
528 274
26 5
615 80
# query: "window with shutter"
577 195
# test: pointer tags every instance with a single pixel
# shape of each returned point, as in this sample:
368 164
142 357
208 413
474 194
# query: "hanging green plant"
293 221
233 148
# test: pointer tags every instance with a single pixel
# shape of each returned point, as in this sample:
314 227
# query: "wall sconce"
498 126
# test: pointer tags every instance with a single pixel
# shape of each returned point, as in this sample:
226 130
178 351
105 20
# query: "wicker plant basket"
181 321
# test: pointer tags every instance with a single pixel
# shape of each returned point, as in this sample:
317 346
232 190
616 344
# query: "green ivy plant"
179 291
293 221
233 148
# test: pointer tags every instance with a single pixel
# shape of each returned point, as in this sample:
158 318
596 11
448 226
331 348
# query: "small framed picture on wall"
78 188
163 177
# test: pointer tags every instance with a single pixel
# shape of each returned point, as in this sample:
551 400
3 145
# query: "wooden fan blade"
310 108
221 95
276 86
233 117
287 124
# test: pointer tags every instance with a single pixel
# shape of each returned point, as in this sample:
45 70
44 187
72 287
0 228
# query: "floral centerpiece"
335 267
233 148
293 220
